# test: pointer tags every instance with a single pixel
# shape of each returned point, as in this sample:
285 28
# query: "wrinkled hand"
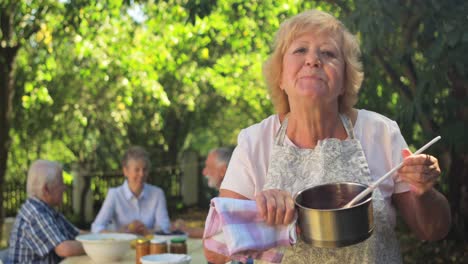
137 227
276 207
179 224
420 171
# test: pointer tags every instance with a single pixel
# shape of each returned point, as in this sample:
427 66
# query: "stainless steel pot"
323 221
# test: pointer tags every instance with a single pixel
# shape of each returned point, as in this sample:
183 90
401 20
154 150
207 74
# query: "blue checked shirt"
38 229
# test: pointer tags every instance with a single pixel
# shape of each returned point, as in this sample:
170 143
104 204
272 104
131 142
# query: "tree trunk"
458 196
458 174
7 62
83 200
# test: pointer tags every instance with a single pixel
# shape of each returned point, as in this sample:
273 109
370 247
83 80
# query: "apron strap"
282 131
347 125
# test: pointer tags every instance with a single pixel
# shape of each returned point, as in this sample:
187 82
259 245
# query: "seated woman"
135 206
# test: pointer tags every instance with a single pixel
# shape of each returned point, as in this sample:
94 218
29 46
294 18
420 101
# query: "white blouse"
380 138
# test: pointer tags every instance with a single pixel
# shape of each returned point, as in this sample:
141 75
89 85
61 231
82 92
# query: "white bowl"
166 259
106 247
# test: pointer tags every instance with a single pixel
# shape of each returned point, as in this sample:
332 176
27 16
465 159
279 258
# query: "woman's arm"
427 215
424 209
162 217
105 214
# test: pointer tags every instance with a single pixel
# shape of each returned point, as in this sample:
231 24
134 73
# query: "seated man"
40 233
216 164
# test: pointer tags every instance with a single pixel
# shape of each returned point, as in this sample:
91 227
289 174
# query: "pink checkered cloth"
234 228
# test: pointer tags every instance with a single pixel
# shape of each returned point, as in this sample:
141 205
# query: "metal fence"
168 178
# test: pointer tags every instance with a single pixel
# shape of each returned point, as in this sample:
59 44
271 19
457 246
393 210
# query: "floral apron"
332 160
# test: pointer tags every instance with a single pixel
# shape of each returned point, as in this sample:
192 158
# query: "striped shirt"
38 229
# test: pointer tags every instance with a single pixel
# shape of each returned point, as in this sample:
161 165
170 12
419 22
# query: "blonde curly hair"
314 21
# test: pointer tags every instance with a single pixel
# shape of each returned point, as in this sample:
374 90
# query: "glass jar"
158 246
141 249
178 246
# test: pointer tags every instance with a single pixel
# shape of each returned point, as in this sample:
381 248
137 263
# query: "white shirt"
121 207
380 138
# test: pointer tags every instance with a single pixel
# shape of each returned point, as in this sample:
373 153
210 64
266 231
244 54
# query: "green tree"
81 80
419 49
18 22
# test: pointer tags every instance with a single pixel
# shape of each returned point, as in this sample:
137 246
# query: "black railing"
168 178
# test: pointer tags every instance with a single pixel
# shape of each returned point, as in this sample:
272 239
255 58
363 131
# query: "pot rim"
336 209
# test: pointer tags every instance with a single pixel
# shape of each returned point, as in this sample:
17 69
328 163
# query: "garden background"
81 80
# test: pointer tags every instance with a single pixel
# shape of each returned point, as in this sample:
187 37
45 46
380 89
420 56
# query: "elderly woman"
135 206
40 233
317 137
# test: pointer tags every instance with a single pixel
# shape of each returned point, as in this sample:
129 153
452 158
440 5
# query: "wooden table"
194 249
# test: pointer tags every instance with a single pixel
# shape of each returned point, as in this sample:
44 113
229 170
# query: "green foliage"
415 54
93 77
420 48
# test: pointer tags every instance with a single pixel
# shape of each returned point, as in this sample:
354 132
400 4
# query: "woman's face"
136 172
313 69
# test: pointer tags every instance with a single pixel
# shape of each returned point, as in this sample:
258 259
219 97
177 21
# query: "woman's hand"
178 224
137 227
420 171
276 206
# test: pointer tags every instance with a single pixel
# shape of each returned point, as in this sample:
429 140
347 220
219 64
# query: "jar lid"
158 241
178 240
142 240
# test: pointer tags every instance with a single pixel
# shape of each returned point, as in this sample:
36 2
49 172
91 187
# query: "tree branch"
459 91
425 122
41 11
411 25
410 28
6 24
343 5
394 75
410 72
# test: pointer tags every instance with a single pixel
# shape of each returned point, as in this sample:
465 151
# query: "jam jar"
158 246
141 249
178 246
